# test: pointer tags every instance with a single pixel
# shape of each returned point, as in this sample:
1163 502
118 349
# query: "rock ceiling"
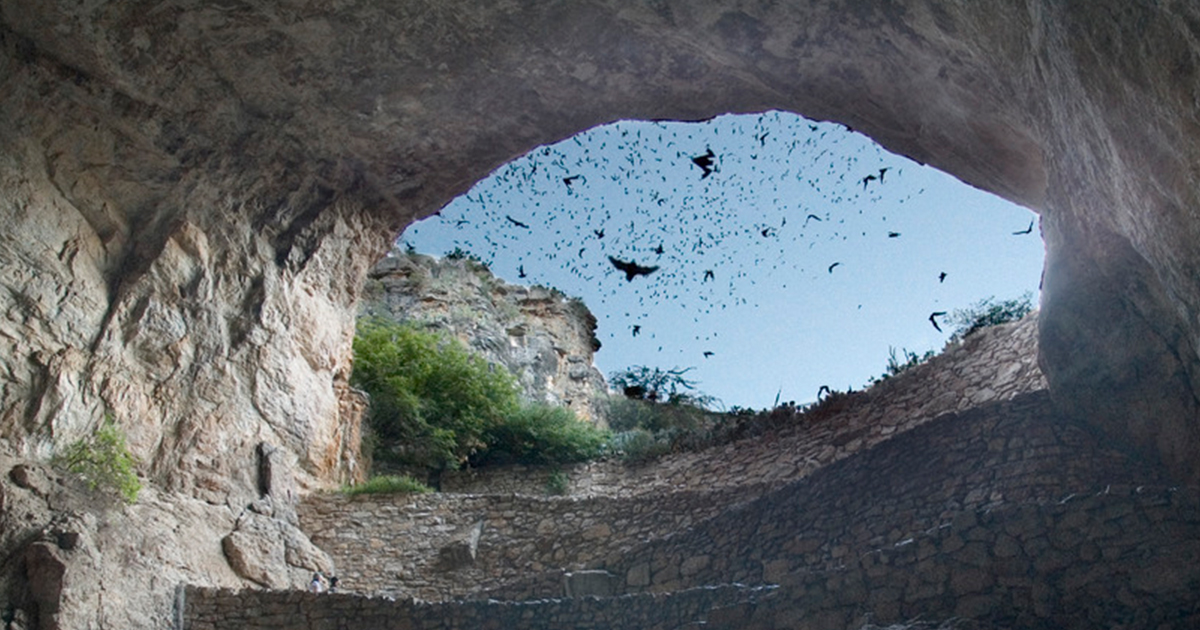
193 190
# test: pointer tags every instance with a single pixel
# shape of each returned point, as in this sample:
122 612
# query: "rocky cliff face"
77 559
542 337
193 192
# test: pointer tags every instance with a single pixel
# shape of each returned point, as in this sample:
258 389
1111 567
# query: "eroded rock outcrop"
545 339
75 558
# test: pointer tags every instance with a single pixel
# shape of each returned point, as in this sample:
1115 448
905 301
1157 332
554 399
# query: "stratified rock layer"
545 339
193 191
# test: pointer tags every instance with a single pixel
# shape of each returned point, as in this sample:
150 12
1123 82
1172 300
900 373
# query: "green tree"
432 402
104 461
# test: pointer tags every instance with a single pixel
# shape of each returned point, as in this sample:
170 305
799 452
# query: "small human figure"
316 586
333 582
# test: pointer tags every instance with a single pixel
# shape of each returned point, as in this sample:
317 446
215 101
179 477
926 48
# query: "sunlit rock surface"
543 338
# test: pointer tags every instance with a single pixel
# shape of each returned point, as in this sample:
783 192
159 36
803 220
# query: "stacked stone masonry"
1126 556
215 609
420 545
993 365
1018 451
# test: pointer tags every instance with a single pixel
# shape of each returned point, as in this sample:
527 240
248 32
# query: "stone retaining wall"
993 365
1013 452
441 546
1126 557
214 609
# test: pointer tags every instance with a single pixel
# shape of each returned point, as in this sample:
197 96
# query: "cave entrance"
789 253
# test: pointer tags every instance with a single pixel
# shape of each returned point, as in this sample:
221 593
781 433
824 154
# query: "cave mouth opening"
789 254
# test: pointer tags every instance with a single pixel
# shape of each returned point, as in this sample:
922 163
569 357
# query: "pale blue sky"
775 319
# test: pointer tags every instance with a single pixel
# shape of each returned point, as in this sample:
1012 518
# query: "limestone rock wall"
77 559
194 192
545 339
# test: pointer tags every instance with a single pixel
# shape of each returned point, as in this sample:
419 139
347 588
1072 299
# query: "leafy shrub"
989 312
431 400
638 446
558 483
649 429
435 406
541 434
104 462
624 414
388 484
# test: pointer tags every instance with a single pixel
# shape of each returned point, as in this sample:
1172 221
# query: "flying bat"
832 266
1027 230
631 269
933 319
516 222
705 162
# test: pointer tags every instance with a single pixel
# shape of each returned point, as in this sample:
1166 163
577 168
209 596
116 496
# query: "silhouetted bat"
516 222
631 269
933 320
1027 230
705 162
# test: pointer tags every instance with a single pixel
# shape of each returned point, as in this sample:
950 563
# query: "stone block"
694 565
1006 547
969 580
638 575
974 554
589 584
976 606
774 570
